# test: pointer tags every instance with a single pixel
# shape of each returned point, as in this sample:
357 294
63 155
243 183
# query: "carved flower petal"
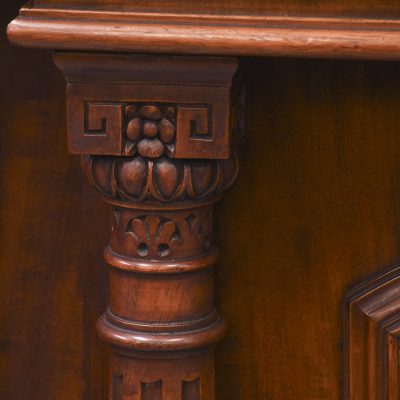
167 176
150 148
134 129
150 112
132 174
152 225
137 229
203 175
166 231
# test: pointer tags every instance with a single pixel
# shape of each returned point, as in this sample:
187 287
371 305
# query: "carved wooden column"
156 138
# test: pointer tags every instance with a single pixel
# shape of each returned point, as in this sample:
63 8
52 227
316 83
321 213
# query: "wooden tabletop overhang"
240 35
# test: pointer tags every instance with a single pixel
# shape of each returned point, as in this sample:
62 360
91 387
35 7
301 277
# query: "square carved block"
113 119
124 104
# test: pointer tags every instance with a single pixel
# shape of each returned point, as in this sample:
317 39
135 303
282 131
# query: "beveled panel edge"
239 35
371 338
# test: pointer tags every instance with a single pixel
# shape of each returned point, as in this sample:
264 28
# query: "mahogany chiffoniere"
156 100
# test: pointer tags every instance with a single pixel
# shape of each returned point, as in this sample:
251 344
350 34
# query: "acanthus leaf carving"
154 235
160 235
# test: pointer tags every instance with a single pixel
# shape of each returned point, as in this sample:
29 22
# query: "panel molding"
371 342
238 35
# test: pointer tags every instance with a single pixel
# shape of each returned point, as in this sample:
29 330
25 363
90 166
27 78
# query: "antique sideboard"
247 155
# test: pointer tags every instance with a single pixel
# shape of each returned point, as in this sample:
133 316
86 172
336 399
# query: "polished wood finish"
314 210
288 252
51 296
357 8
205 33
161 149
372 339
190 119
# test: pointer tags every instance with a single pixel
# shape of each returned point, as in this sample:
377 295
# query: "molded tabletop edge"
238 35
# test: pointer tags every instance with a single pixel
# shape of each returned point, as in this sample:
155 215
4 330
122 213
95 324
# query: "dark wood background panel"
94 287
51 287
315 209
374 8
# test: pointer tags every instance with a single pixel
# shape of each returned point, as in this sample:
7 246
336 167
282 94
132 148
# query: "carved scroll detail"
102 119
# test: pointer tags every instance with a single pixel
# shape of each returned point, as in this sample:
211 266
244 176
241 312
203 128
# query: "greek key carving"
151 130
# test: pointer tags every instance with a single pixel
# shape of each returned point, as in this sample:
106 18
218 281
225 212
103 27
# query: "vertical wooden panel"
52 285
40 352
316 208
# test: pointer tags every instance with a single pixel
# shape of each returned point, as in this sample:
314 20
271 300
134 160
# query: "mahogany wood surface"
371 342
385 8
316 212
315 209
51 296
179 33
160 146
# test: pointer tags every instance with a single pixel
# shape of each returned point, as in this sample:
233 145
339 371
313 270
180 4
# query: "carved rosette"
161 154
150 129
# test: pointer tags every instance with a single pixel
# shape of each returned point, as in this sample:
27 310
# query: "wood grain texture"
51 296
162 32
371 338
161 155
119 104
315 209
375 8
